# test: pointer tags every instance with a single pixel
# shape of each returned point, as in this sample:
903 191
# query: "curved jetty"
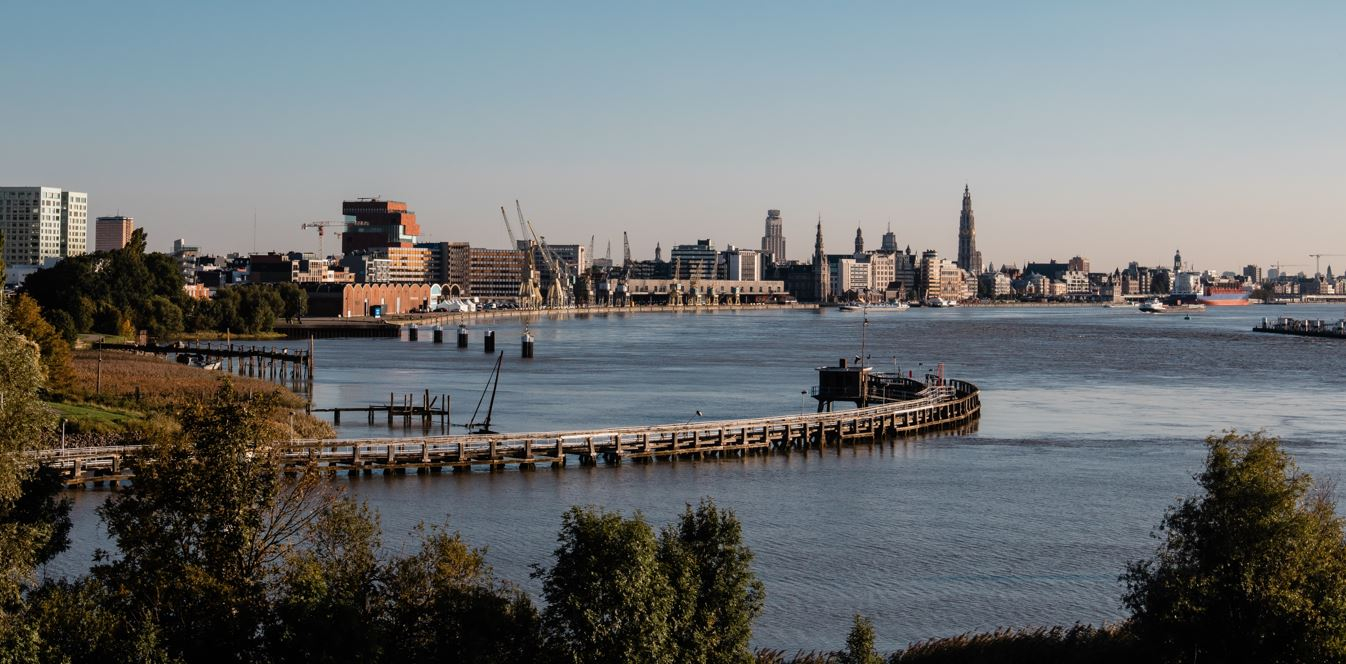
887 405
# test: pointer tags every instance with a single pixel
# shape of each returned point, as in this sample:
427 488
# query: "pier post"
488 342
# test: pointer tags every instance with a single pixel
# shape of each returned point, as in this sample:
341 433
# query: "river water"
1092 425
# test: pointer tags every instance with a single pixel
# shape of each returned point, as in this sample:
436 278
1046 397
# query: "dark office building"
384 224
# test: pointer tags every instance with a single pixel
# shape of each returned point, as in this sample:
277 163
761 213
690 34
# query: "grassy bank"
129 389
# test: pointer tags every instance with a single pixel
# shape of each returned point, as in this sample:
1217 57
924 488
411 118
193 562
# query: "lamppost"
689 420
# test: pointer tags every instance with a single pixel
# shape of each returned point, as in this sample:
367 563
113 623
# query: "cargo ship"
1224 296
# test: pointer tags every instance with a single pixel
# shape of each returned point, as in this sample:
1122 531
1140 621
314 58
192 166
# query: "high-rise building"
112 233
43 224
695 261
1078 264
383 224
821 278
1253 273
968 257
773 242
889 241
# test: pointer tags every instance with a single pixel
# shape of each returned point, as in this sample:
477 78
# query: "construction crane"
1280 267
1318 262
322 227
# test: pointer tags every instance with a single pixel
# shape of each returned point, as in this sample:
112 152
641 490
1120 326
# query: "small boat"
197 361
940 302
1153 307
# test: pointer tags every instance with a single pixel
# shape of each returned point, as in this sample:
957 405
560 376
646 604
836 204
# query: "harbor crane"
1318 262
529 295
322 227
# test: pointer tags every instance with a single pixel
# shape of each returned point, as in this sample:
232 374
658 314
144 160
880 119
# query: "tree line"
121 291
218 555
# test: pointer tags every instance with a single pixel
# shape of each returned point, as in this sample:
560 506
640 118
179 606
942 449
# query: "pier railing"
901 407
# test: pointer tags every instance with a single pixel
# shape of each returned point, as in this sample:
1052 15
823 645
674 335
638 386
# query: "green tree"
162 319
444 604
327 609
31 526
203 525
608 600
25 317
717 596
294 301
860 644
1252 569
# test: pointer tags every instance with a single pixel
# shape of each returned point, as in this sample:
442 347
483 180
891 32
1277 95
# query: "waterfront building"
696 261
994 285
704 292
1076 282
42 225
1052 270
384 224
743 264
773 241
821 279
1078 264
968 257
494 274
449 263
112 233
352 300
396 265
1253 273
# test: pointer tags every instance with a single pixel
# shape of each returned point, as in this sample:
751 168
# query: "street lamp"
689 420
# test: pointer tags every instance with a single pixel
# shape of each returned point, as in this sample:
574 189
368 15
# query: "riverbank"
390 326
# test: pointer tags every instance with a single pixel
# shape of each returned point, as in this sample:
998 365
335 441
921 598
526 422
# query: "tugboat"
1153 306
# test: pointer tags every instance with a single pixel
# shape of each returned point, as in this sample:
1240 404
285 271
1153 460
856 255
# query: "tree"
716 593
203 525
860 644
294 299
1251 569
607 598
328 596
26 318
161 318
32 527
445 605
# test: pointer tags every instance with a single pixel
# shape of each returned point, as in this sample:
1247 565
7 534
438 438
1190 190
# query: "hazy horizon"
1116 133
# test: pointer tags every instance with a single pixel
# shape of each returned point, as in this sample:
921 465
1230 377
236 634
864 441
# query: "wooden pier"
291 368
1303 327
898 407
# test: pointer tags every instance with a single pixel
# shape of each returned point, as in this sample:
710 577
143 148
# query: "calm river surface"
1092 425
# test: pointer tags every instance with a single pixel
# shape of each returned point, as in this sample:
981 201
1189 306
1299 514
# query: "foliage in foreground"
1252 569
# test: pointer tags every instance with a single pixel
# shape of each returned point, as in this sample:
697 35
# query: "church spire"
968 257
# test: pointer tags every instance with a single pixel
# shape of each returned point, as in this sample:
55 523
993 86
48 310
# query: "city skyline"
1115 133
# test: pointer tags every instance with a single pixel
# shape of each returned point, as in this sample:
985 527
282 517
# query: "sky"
1115 131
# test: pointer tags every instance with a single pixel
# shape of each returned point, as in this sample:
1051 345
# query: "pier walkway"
896 407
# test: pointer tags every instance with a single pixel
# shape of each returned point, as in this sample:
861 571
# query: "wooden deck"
905 407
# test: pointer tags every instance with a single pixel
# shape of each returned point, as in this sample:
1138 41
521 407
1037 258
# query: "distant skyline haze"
1115 132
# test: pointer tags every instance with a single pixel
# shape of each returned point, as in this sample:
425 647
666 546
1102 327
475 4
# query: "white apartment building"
43 224
743 264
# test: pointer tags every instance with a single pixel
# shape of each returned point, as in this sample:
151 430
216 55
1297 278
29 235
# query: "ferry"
1153 307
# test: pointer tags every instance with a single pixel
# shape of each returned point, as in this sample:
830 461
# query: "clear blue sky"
1117 131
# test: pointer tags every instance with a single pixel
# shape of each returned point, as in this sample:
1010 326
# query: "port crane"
529 295
1318 262
322 227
